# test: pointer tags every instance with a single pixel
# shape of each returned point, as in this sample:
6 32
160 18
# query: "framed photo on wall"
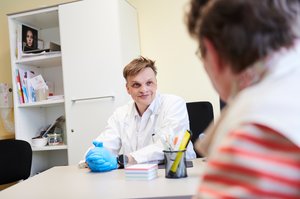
29 38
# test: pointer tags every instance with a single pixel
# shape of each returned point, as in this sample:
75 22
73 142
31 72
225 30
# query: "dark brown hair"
243 31
138 64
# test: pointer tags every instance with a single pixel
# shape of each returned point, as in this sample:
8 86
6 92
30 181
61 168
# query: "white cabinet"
97 38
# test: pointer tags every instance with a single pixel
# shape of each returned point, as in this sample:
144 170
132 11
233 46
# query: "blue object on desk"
100 159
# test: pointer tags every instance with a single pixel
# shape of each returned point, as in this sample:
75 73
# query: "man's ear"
127 88
213 55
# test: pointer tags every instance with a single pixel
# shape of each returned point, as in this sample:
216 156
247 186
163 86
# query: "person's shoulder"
171 98
124 109
171 101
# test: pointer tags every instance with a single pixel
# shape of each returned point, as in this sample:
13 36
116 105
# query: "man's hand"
100 159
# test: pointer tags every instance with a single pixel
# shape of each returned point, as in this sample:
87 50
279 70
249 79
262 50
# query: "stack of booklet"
141 172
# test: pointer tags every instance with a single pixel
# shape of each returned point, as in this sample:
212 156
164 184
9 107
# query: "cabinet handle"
92 98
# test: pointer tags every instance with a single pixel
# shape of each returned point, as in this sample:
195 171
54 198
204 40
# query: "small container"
41 94
39 142
175 164
54 139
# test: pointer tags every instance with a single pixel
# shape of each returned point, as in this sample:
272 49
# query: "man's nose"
143 88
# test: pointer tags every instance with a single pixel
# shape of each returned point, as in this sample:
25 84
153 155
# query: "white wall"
164 38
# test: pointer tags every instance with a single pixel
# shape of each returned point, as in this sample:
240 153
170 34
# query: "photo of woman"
29 38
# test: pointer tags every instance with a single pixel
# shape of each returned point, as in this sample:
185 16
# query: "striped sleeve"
253 162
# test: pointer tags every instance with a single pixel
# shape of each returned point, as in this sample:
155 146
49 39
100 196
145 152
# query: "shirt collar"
153 107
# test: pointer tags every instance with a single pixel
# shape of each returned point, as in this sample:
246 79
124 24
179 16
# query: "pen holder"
175 164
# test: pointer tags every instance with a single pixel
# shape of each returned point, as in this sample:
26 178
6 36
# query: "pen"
164 142
175 141
182 146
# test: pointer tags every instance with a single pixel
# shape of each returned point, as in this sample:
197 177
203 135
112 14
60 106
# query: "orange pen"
175 141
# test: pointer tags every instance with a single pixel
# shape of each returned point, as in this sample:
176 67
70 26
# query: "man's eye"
149 83
135 85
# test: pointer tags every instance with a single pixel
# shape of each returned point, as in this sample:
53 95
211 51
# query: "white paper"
38 82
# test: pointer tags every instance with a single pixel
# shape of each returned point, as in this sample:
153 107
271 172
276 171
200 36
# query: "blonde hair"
137 65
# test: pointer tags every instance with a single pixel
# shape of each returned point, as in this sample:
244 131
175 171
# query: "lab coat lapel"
129 130
155 114
152 126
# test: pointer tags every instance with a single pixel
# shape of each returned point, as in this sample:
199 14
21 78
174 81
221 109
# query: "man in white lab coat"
141 128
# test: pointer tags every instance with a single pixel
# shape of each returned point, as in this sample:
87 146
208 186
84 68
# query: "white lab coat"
140 137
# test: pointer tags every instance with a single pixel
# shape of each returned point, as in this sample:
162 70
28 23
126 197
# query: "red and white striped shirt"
253 162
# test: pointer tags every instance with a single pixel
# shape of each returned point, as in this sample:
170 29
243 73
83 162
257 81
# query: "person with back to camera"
251 52
136 128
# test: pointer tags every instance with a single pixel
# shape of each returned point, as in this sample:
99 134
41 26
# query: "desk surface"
72 182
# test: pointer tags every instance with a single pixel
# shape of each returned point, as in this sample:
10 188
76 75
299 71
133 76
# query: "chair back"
16 157
200 115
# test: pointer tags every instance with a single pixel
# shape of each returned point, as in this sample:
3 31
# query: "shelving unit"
30 118
95 47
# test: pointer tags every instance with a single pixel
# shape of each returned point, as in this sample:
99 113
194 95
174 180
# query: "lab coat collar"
153 107
133 113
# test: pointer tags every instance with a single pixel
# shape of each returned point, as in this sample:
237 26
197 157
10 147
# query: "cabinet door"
94 52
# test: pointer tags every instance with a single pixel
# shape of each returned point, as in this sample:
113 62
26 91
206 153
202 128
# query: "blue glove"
100 159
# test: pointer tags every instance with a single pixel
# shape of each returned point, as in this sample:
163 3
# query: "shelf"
50 148
44 60
42 18
45 103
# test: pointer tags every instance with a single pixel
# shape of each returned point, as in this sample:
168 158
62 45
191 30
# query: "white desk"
72 182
